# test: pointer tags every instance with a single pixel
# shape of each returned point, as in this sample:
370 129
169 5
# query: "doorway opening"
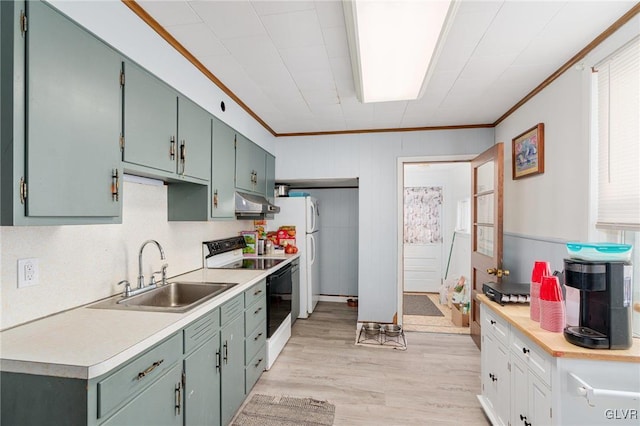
434 242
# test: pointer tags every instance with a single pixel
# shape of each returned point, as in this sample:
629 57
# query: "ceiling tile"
330 13
198 39
169 13
263 7
335 39
294 29
306 58
315 80
253 51
229 19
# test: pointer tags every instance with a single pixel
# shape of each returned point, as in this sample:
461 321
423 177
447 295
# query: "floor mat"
266 410
420 304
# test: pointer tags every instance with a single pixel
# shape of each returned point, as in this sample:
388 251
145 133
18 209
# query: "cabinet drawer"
254 315
537 360
496 326
231 309
255 340
254 369
252 295
201 330
138 373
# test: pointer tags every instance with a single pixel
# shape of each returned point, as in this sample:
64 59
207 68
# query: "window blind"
619 139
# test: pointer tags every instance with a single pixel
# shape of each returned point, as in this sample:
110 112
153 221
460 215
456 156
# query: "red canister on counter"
540 269
552 309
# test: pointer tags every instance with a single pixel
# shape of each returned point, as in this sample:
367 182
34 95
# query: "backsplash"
83 263
520 251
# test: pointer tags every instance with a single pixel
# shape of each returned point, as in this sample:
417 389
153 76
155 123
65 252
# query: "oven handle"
281 272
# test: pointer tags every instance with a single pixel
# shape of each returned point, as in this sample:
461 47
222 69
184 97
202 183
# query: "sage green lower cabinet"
232 365
202 385
200 375
161 404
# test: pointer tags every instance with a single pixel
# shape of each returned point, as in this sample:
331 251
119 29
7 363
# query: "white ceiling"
288 61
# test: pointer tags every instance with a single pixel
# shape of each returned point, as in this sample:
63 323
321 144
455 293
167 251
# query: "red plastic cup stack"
540 269
552 310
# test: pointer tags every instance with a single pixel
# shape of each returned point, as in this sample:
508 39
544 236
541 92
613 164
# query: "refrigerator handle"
313 216
312 255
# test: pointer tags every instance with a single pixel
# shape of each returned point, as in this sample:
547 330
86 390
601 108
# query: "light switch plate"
28 272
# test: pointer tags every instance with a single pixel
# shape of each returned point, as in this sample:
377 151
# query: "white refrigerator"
303 213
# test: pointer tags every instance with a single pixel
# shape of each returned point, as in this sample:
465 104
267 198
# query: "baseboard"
335 299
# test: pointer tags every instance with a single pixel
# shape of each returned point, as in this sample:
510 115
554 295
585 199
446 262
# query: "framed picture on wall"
527 153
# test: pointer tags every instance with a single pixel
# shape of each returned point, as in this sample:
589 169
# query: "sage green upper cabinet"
250 166
73 119
270 177
223 171
194 140
150 120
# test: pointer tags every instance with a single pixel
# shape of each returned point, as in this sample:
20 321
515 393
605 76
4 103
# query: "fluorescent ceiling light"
391 45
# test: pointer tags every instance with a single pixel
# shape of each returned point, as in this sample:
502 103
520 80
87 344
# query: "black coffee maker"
605 303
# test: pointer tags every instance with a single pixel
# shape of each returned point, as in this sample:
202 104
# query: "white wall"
373 158
556 204
338 240
542 212
80 264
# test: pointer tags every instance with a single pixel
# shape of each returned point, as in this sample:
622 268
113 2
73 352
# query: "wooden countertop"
85 343
554 343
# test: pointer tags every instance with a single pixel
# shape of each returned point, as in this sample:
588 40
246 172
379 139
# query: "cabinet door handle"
257 292
218 360
172 148
257 363
178 398
115 185
152 367
215 199
257 310
525 351
183 155
225 356
492 322
257 337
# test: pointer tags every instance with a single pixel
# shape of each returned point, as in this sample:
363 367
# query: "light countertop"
85 343
555 343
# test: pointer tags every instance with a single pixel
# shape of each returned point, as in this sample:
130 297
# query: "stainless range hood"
251 206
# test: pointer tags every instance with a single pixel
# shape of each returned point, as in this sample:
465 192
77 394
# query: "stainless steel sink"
178 296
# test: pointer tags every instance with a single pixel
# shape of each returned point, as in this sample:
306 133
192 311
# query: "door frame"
400 212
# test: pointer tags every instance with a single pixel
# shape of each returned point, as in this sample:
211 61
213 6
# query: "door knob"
498 272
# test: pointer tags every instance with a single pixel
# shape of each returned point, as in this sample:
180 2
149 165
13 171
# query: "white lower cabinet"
516 388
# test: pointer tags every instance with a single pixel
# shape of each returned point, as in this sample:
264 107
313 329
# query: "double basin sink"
178 296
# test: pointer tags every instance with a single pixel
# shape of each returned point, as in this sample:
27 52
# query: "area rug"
266 410
420 304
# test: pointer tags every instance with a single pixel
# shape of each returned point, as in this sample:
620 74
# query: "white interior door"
423 238
422 267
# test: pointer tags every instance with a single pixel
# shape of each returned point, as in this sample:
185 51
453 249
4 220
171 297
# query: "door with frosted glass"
487 179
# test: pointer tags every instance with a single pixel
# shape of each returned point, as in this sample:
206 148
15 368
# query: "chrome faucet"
164 265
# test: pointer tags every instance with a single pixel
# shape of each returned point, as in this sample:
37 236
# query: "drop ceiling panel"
169 13
199 38
229 19
289 62
295 29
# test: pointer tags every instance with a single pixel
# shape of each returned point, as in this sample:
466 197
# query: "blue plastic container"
600 251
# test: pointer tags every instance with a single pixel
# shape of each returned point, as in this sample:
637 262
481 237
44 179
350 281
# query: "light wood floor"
434 382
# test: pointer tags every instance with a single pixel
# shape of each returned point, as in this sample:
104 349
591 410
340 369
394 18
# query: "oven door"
278 298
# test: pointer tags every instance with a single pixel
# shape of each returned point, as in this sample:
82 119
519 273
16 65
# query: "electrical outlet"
28 273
